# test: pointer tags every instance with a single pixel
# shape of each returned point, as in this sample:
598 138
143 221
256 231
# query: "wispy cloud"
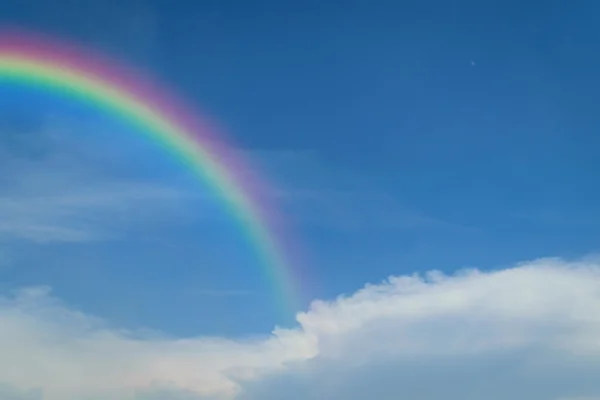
5 258
222 293
51 191
360 209
88 213
54 187
555 217
496 335
46 233
316 193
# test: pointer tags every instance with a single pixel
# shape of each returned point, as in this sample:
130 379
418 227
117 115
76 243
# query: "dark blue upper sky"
407 135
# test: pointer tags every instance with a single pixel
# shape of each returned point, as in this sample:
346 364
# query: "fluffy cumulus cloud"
530 331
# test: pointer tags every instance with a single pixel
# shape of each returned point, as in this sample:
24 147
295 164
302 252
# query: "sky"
434 162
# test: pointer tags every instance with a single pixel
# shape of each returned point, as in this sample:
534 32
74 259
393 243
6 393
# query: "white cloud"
531 331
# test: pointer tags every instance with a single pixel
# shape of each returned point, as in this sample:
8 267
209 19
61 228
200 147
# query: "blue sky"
401 137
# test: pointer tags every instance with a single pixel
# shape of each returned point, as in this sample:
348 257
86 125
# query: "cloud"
317 193
54 189
530 331
9 393
58 187
222 293
90 212
558 218
5 259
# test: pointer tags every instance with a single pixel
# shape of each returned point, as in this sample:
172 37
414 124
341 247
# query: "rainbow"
128 95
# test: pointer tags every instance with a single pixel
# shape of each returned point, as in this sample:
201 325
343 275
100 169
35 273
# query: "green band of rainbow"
85 77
